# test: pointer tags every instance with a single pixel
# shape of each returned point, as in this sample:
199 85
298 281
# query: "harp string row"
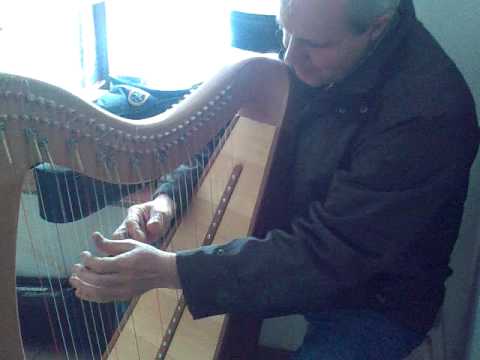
96 335
38 147
50 281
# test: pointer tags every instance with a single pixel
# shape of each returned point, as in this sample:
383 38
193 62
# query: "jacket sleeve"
180 184
397 181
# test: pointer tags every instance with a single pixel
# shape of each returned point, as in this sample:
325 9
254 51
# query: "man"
379 175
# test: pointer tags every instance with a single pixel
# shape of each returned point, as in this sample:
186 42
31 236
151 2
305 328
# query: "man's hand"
147 222
130 269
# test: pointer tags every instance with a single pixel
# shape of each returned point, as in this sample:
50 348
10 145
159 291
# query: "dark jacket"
379 169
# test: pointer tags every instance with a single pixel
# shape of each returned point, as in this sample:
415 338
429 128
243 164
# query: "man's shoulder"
423 81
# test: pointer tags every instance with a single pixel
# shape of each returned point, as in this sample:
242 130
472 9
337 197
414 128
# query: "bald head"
359 13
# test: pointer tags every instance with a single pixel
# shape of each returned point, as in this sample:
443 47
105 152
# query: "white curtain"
43 39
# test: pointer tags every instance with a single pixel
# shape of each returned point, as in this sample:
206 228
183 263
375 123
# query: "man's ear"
378 27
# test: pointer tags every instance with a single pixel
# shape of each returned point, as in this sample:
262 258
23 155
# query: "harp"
40 123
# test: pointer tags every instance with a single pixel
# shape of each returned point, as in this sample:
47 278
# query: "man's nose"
293 52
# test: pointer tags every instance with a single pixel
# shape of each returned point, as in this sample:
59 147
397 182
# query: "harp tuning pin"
40 100
101 128
51 104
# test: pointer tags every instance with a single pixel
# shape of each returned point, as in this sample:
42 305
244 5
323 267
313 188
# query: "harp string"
31 137
36 257
132 314
63 210
124 208
82 303
112 223
102 332
103 226
50 280
23 211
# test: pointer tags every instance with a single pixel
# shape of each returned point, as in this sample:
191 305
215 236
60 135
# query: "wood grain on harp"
42 123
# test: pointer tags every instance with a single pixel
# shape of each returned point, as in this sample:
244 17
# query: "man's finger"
121 232
101 265
89 292
156 225
110 247
97 279
134 230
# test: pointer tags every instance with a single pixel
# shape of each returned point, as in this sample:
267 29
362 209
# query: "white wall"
455 24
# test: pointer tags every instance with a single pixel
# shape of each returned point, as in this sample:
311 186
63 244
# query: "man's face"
320 45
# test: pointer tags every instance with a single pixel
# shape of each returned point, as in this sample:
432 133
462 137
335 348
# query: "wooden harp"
42 123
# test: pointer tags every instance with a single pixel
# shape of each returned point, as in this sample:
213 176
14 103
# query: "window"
51 40
173 43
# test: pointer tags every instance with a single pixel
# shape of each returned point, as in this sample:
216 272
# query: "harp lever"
32 136
73 146
5 143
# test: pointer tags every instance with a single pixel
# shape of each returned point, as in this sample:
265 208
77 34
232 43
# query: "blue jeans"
356 335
